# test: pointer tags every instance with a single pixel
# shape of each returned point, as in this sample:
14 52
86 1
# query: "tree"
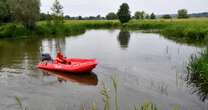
57 12
92 17
166 16
67 17
25 11
124 13
139 15
79 17
182 13
111 16
5 14
43 16
49 19
152 16
98 17
147 16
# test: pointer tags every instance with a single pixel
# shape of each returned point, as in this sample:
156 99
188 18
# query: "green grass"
197 76
70 27
194 29
19 103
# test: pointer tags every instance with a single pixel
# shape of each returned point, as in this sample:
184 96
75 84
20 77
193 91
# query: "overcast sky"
102 7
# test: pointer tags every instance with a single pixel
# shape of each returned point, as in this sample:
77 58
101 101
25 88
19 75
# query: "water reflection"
52 45
19 51
161 87
82 79
123 38
186 41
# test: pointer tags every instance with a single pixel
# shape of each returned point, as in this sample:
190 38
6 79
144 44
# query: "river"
148 67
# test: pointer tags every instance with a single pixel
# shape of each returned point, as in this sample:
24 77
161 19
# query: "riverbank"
197 74
45 29
195 29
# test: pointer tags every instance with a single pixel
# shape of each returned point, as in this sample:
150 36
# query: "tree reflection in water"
123 38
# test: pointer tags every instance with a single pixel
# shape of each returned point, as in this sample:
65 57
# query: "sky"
102 7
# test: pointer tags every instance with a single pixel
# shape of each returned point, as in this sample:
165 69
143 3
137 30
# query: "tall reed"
105 96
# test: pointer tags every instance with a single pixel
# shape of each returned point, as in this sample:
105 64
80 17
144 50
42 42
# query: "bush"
12 30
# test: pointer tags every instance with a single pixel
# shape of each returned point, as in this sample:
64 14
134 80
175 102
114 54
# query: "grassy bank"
71 27
194 29
197 77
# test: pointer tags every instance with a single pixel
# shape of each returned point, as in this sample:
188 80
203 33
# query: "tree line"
27 12
182 13
45 16
23 11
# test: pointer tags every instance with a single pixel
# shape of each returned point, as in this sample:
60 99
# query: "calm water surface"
148 68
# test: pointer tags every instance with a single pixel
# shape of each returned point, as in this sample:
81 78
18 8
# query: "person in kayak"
60 58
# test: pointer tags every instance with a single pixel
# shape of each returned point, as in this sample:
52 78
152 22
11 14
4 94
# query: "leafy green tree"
43 16
98 17
166 16
92 17
25 11
79 17
111 16
123 13
147 16
57 12
152 16
5 14
139 15
182 13
67 17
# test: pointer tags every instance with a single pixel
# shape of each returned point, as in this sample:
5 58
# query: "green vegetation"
146 106
195 29
123 13
19 103
142 15
182 13
57 13
184 30
111 16
5 15
139 15
25 11
26 14
197 77
166 16
43 28
152 16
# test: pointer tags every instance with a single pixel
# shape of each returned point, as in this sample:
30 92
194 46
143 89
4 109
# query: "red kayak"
76 65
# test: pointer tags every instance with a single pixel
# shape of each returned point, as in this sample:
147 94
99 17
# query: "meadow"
194 29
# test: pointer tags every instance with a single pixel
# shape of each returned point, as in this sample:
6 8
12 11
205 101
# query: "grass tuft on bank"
197 77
